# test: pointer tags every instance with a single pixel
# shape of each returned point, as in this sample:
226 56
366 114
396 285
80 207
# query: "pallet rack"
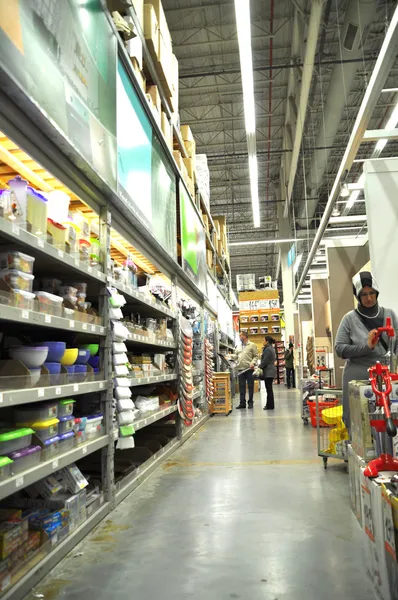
43 151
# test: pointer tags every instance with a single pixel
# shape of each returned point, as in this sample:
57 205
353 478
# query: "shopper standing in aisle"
267 365
246 354
356 340
289 364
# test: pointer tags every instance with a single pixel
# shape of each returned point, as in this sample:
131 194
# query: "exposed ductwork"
359 15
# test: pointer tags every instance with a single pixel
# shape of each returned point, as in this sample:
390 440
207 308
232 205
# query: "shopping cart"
332 434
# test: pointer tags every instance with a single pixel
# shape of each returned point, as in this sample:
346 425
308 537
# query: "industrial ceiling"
347 40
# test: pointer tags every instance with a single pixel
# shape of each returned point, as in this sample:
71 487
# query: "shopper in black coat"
267 365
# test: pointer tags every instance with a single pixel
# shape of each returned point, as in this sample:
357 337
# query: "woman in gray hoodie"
355 339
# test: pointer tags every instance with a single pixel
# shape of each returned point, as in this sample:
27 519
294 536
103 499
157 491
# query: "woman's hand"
373 339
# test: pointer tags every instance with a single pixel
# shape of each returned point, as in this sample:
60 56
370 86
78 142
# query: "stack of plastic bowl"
81 363
94 359
68 360
33 357
56 351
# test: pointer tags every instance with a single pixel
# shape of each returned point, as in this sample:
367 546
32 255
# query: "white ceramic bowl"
34 376
33 357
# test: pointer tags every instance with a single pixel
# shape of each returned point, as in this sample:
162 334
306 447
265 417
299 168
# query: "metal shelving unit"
27 126
43 469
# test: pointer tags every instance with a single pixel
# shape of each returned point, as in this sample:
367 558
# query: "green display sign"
193 242
62 53
146 181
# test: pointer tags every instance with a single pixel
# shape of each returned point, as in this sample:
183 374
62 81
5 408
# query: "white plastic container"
18 280
119 348
122 393
18 261
49 303
65 425
25 459
94 426
57 206
126 417
120 359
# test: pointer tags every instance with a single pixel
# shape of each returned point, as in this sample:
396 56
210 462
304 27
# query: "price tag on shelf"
101 500
84 326
55 464
58 391
77 262
1 398
15 229
40 243
92 328
89 269
47 318
19 482
25 314
40 393
60 253
84 450
54 540
102 330
72 324
76 387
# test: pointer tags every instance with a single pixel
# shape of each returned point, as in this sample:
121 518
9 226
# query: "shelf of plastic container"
129 483
153 417
153 379
138 296
27 239
23 480
150 340
41 568
32 317
38 394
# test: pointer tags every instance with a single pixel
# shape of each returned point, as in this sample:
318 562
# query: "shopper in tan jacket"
246 354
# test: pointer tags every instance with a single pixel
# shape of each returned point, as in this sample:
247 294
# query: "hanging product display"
185 401
209 371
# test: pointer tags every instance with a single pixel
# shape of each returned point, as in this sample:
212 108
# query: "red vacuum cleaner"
380 379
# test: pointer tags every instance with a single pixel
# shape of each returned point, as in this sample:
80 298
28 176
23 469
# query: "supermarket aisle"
244 510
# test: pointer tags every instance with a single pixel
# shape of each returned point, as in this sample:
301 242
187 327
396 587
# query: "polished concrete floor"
243 510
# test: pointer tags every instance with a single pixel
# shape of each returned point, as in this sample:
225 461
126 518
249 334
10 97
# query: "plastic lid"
51 441
18 273
40 424
65 419
24 452
18 253
68 401
58 225
15 434
66 436
92 417
4 460
28 295
51 297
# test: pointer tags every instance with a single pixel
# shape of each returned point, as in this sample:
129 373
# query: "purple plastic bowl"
82 357
96 369
71 369
80 369
54 368
56 350
94 362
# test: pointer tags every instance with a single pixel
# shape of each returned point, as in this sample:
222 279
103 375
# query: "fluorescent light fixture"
297 263
355 194
270 241
348 219
243 25
389 90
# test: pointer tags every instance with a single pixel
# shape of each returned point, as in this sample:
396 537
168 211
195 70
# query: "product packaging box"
360 397
390 536
355 464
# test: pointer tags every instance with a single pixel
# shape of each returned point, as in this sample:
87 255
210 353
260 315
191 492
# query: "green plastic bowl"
93 348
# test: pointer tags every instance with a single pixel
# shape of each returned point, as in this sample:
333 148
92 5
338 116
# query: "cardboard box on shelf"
190 166
153 92
217 227
186 133
134 46
151 31
209 258
161 18
166 129
191 186
220 248
206 222
138 6
214 239
178 158
139 74
190 147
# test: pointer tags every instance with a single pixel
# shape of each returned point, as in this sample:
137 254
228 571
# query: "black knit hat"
363 279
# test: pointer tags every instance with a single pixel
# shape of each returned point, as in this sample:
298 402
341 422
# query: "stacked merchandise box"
246 283
280 359
259 315
203 178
